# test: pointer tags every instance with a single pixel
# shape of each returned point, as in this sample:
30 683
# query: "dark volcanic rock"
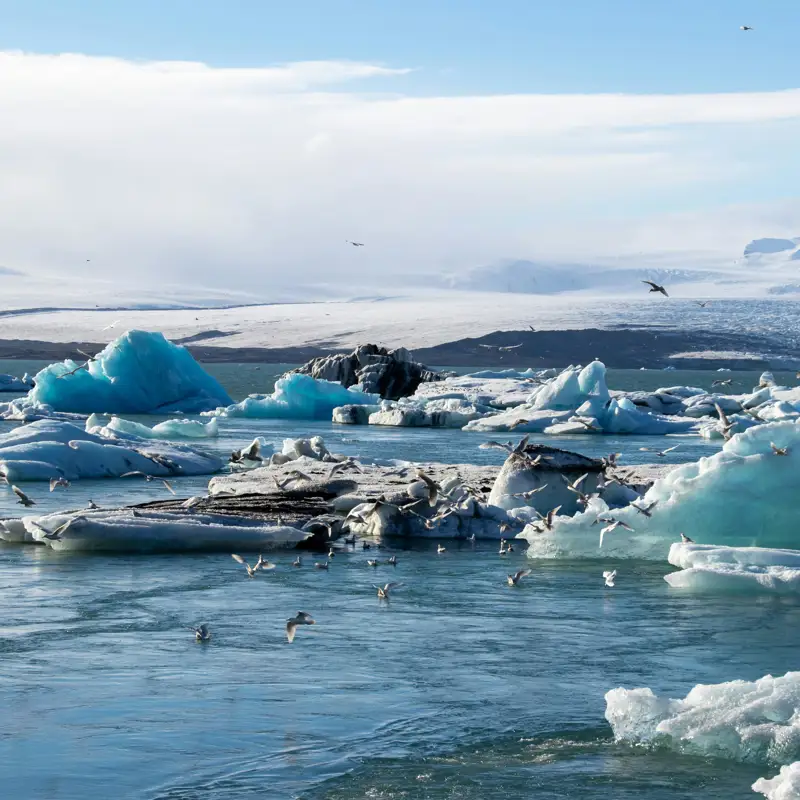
390 373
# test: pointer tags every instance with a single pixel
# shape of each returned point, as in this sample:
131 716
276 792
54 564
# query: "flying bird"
654 287
139 474
251 571
355 244
646 510
513 580
291 624
779 451
531 493
24 500
660 453
547 519
702 303
501 347
609 577
617 523
56 482
262 563
383 591
720 382
725 424
745 28
112 325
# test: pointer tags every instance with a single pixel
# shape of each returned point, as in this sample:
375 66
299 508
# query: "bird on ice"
609 577
201 633
302 618
513 580
686 540
655 287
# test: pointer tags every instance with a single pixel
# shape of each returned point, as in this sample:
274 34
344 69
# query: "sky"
236 146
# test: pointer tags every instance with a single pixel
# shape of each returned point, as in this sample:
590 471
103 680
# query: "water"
460 687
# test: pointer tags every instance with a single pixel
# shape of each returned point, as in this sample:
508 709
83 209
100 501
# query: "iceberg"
297 396
170 429
718 499
8 383
51 449
150 531
784 786
137 373
708 567
745 721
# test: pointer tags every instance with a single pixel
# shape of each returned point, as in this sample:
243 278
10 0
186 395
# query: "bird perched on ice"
686 540
655 287
300 619
513 580
23 500
201 633
609 577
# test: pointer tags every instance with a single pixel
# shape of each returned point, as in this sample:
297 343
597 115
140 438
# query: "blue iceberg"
298 396
138 373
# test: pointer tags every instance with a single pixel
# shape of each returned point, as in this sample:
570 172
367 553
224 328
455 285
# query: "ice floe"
297 396
752 721
169 429
137 373
49 449
784 786
708 567
8 383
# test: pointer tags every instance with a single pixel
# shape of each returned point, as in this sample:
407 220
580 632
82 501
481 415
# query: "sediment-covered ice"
784 786
748 721
169 429
137 373
743 496
708 567
297 396
52 448
145 531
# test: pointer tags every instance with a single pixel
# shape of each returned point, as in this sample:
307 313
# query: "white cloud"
253 178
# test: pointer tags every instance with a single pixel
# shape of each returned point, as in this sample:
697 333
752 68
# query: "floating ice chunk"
298 396
138 373
170 429
352 414
12 530
20 410
313 447
784 786
51 448
740 720
8 383
145 531
521 419
706 567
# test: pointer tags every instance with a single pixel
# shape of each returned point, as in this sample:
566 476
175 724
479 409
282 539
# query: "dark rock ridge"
390 373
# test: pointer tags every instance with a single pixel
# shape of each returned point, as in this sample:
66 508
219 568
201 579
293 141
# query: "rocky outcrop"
390 373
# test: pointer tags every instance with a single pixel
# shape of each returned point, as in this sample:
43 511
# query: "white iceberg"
784 786
169 429
297 396
708 567
52 449
8 383
739 720
138 373
718 499
144 531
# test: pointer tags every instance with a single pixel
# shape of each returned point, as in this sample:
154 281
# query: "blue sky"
458 46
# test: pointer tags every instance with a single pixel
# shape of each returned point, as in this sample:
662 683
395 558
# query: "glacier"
714 568
138 373
719 499
49 449
297 396
784 786
749 721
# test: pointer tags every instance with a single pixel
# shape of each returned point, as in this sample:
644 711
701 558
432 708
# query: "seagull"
660 453
745 28
298 562
383 591
251 454
501 347
321 564
92 505
646 510
392 560
611 460
355 244
547 519
291 624
617 523
88 358
702 303
440 549
531 493
331 554
56 482
513 580
74 371
725 423
686 540
112 325
201 633
779 451
24 500
503 550
609 577
349 540
192 502
262 563
349 463
372 562
654 287
726 382
139 474
433 487
251 571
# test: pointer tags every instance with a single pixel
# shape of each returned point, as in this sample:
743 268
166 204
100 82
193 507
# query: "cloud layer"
252 179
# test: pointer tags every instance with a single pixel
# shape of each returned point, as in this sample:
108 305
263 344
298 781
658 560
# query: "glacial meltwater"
459 686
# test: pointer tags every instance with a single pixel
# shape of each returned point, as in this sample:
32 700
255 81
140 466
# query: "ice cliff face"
389 373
